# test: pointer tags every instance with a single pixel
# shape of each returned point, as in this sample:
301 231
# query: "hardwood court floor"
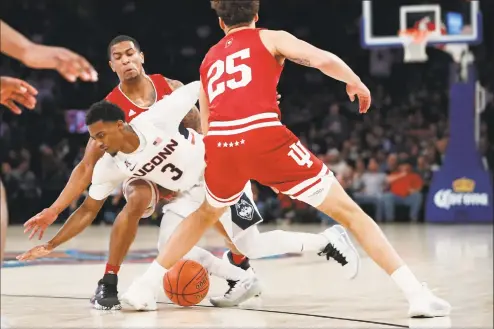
299 291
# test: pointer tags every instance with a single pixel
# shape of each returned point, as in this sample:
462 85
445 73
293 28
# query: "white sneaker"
244 266
242 291
141 296
426 305
341 249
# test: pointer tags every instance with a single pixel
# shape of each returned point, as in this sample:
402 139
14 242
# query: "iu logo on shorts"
300 154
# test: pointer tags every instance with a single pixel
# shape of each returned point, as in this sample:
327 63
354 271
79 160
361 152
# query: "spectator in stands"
369 188
336 163
405 189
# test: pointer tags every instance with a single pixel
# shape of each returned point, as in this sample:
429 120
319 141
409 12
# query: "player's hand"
70 65
278 97
14 91
36 252
363 95
38 223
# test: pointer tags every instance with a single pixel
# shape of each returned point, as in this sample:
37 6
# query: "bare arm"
77 222
79 179
70 65
192 120
13 43
284 44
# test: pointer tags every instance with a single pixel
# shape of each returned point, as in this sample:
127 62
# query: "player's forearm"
336 68
193 120
304 53
13 43
79 181
74 225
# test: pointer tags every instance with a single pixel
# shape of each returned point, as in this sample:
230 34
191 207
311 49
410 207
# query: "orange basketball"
186 283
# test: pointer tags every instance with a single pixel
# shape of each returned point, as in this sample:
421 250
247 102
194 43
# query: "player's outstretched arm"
78 182
303 53
77 222
173 108
70 65
284 44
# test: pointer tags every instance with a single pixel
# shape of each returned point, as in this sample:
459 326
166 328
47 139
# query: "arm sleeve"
106 178
171 110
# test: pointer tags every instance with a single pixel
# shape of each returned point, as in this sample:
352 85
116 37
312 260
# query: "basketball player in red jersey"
239 76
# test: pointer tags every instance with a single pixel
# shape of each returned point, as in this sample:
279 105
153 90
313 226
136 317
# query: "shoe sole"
251 293
100 307
344 234
429 314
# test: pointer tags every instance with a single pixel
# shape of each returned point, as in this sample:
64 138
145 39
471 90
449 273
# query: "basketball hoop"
414 44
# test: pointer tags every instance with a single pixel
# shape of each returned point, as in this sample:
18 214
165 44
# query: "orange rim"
416 35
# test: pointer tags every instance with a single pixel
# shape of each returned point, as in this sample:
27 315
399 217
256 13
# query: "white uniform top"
164 156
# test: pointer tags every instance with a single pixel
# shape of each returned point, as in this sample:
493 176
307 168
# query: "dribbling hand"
39 222
363 95
36 252
17 91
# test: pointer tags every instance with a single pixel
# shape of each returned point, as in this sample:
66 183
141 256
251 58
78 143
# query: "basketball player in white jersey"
151 147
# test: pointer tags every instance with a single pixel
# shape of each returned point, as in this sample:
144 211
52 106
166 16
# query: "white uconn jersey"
164 156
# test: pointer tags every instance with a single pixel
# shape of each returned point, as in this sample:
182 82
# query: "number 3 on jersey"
229 67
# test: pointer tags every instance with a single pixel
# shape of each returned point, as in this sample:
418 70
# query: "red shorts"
262 149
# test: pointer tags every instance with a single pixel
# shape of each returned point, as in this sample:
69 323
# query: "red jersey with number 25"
116 96
240 76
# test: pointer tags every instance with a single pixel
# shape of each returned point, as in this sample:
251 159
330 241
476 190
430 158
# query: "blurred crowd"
384 159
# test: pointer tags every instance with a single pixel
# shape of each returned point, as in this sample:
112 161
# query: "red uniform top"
240 77
116 96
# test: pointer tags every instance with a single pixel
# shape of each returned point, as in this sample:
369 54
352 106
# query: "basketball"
187 283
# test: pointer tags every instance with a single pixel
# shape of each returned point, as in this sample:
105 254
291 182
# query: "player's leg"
224 188
4 220
141 197
233 255
145 299
343 209
290 168
213 265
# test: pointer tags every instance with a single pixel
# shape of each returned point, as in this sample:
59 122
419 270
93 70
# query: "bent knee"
209 213
339 206
139 195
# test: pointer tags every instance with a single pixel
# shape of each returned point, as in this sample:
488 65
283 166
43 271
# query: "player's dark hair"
104 111
122 38
236 12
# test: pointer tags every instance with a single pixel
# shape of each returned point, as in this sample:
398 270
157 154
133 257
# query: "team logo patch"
244 210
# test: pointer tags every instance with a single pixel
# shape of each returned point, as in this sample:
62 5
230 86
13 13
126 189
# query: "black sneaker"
245 265
106 295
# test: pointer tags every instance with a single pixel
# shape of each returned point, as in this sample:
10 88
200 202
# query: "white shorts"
154 194
236 220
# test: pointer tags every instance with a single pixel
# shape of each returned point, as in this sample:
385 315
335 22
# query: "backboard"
451 21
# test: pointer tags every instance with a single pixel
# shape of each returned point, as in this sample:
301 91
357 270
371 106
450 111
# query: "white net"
414 45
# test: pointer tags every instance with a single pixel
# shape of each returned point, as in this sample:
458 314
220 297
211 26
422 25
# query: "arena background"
408 121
